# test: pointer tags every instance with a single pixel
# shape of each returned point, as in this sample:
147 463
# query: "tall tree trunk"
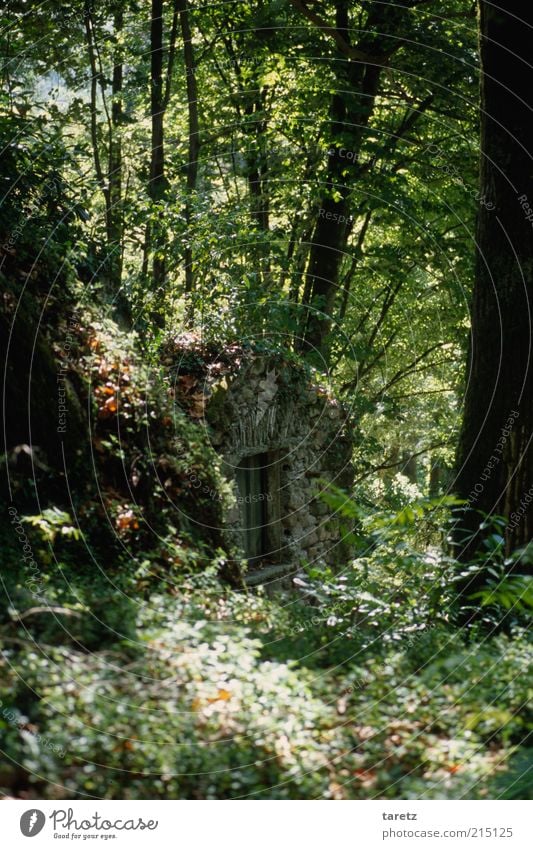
495 459
115 218
90 39
255 125
115 224
160 90
157 160
334 223
253 117
194 146
257 164
358 75
107 157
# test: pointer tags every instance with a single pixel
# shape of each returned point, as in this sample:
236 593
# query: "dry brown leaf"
222 696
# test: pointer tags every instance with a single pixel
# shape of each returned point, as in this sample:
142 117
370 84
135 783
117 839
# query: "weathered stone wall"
271 405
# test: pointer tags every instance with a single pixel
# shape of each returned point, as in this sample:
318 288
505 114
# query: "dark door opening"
251 486
258 486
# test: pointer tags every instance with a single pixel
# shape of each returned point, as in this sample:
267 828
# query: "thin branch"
367 367
384 466
421 392
355 260
399 374
344 46
388 301
402 374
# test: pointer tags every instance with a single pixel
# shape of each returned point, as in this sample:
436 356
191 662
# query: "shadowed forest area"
265 323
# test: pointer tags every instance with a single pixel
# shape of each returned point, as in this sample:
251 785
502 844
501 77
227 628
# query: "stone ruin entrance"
282 437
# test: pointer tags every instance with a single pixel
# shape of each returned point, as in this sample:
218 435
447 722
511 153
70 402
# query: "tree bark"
157 185
115 218
495 458
107 159
115 223
97 159
352 106
194 145
334 222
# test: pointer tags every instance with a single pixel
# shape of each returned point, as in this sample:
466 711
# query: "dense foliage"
164 189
